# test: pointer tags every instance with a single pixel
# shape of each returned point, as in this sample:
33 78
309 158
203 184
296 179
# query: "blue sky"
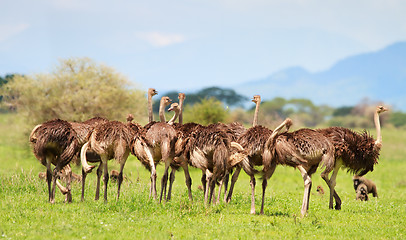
190 44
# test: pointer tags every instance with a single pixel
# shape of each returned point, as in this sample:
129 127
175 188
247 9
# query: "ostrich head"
130 117
381 109
165 101
181 96
256 99
152 92
174 107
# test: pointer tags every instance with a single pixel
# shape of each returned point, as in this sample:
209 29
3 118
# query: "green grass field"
26 214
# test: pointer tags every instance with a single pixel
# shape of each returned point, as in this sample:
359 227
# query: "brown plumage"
54 142
253 141
159 145
233 131
83 130
304 149
207 148
109 140
355 149
179 160
358 152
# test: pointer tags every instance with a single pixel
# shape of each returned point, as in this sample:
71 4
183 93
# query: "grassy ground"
25 212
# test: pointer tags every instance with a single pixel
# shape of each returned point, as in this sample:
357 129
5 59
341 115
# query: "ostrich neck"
181 111
150 113
255 122
175 116
378 129
162 112
277 129
275 132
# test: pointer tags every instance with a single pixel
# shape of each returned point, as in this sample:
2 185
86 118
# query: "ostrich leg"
268 174
49 180
106 176
171 180
120 175
307 187
188 181
233 180
99 174
164 181
331 184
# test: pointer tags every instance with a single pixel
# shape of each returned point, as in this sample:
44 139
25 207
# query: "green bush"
208 111
76 90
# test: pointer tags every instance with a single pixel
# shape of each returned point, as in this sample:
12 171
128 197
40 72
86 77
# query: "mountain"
378 76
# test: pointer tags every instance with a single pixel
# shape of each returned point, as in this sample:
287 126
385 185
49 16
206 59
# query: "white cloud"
158 39
9 30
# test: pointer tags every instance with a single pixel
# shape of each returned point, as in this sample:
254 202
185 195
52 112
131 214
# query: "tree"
4 80
209 110
76 90
225 95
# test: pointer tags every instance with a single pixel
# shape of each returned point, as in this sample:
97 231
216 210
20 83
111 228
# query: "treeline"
79 89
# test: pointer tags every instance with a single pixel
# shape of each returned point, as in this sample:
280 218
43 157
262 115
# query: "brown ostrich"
303 149
179 159
160 138
358 152
55 142
110 140
233 131
253 141
207 148
83 130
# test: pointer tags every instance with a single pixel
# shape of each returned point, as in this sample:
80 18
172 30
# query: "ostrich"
55 142
109 140
83 130
358 152
179 160
233 131
253 141
207 148
303 149
160 138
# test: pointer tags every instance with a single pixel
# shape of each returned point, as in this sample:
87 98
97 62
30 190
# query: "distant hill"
378 76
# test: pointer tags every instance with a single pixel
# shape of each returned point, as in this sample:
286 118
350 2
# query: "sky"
191 44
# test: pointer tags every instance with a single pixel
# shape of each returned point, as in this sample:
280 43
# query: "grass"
26 214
